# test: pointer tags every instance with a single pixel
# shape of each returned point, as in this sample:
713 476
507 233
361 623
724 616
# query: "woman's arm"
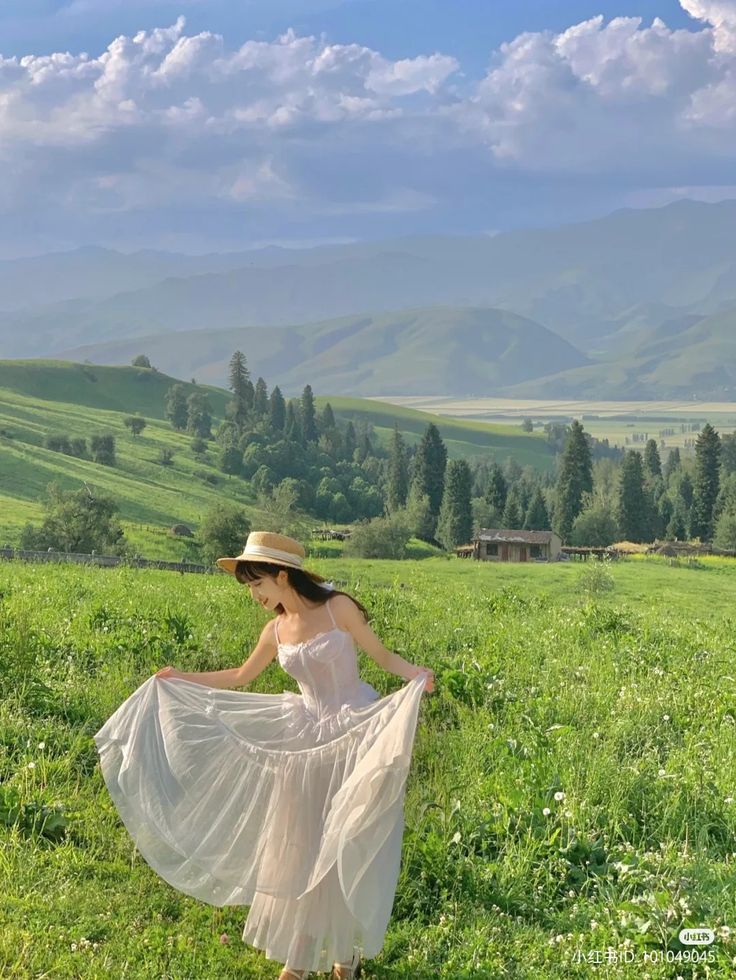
351 618
263 653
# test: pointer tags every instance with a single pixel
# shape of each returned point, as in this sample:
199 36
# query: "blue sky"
216 125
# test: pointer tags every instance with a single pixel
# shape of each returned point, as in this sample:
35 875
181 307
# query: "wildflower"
661 772
31 765
546 811
42 745
559 796
665 717
596 734
729 799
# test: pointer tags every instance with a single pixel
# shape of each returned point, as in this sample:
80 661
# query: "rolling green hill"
440 350
42 397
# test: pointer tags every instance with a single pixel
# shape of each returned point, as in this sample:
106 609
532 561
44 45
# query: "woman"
292 804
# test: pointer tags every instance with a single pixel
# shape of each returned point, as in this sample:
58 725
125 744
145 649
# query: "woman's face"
265 591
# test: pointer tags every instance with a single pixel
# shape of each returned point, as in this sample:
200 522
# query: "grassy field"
572 788
42 397
615 421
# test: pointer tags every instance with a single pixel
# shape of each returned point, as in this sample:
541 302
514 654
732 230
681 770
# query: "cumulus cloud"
163 119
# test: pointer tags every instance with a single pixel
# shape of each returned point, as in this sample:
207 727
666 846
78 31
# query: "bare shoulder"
267 638
346 613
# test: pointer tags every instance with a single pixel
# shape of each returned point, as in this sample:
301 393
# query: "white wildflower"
42 745
546 811
31 765
559 795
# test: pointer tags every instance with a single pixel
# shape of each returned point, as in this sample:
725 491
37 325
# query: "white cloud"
163 119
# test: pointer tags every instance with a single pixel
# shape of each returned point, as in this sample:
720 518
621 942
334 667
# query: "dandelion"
42 745
665 717
559 796
729 799
596 734
546 811
31 765
661 772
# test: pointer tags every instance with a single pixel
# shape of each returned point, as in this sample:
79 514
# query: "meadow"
571 796
38 398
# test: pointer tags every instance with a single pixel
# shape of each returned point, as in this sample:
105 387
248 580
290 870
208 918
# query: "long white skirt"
239 798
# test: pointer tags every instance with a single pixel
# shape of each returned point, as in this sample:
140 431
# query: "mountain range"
638 304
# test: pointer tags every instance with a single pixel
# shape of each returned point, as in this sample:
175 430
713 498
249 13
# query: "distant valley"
639 304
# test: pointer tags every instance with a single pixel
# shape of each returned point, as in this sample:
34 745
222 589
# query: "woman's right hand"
170 673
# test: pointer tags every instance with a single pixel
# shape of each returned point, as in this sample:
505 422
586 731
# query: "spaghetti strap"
329 610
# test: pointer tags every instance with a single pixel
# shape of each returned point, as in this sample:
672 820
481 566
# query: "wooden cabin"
500 544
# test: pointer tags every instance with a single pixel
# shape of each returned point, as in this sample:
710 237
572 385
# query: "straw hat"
277 549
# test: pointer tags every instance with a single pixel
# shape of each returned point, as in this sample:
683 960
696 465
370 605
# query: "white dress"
290 803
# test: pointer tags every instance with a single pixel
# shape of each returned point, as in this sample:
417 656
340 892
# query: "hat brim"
228 564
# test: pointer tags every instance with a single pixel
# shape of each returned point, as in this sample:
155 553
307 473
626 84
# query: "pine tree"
292 425
497 491
240 385
728 453
307 416
455 521
429 467
326 419
260 399
706 483
575 478
652 462
633 508
512 518
351 440
277 408
537 518
175 406
678 522
673 463
397 484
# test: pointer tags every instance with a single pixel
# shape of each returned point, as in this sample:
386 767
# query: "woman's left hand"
429 679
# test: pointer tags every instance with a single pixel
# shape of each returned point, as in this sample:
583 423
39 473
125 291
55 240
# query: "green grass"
38 398
624 703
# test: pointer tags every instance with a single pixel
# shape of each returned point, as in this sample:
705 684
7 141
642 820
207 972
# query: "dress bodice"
326 669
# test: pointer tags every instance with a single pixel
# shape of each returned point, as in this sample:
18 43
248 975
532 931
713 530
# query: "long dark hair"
306 583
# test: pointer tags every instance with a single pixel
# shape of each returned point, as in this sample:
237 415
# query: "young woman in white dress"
314 635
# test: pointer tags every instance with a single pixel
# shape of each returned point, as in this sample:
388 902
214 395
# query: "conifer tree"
429 467
455 521
351 440
497 491
537 518
728 453
678 522
326 419
292 425
397 484
277 408
512 518
307 416
673 463
260 399
240 385
652 462
706 483
575 478
633 508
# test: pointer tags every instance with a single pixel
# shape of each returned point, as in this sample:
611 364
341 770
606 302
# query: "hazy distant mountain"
683 358
580 280
627 291
426 351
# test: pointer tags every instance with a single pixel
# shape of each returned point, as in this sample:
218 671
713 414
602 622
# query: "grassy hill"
42 397
686 357
438 349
